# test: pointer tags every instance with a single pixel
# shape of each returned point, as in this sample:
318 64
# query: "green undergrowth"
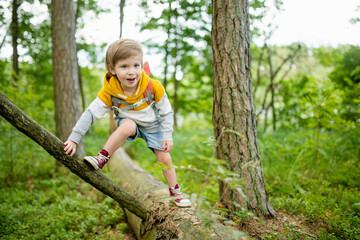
61 207
317 182
325 191
39 202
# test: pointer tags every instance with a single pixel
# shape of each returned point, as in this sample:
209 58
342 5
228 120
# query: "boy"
138 114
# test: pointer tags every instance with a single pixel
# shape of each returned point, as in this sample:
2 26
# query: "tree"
121 7
234 110
186 27
65 69
81 8
275 68
346 76
15 35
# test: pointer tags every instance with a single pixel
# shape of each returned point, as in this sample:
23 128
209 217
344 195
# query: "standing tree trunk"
122 5
175 57
82 96
167 53
15 35
65 69
167 50
234 110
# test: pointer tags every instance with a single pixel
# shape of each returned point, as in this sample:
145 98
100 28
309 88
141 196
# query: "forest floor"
286 226
38 203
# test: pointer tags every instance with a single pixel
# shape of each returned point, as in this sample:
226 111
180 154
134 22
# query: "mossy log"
165 221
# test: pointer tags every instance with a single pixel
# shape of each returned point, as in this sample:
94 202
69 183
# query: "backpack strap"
149 95
149 92
149 98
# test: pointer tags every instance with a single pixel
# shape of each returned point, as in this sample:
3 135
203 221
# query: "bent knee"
127 127
163 157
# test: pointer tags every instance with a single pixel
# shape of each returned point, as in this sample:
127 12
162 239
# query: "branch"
55 147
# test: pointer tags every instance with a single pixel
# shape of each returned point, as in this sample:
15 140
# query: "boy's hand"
167 146
70 147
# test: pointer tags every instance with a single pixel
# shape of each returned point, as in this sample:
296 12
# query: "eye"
123 66
137 65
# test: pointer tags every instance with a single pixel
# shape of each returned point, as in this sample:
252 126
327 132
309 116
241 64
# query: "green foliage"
329 199
62 207
311 99
33 97
346 75
186 50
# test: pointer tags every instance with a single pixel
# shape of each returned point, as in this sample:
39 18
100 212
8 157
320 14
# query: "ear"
111 70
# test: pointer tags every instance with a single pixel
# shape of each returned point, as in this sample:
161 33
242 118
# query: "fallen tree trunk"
150 218
164 221
55 147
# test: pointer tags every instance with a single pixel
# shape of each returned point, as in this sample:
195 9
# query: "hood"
112 87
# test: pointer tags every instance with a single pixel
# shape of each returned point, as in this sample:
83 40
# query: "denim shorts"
153 140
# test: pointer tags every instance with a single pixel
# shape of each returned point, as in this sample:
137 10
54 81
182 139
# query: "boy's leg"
170 177
169 173
126 129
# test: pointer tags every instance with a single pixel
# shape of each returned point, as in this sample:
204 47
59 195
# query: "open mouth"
131 80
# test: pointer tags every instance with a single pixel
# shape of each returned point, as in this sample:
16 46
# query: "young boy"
137 114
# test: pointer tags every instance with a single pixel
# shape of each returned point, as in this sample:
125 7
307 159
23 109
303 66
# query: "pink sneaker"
97 162
178 197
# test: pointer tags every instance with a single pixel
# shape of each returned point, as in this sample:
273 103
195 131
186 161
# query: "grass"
326 200
330 196
62 207
37 203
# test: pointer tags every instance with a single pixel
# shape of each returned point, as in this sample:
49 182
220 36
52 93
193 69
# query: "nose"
131 70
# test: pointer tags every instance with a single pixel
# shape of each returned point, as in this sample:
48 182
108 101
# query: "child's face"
128 72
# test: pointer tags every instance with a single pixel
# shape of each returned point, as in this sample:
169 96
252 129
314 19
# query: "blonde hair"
122 49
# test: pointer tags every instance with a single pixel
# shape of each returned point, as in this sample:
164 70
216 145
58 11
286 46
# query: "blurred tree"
121 7
15 36
355 20
81 8
234 110
65 69
276 62
3 24
346 75
186 25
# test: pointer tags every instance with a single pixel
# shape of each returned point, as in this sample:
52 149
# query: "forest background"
307 101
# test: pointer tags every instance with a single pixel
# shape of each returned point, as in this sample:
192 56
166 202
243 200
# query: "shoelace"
177 192
102 159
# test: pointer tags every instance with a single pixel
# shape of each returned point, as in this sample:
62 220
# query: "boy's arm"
96 110
166 117
163 106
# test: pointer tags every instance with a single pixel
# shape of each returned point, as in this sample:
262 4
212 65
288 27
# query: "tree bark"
65 69
55 147
234 110
15 35
164 222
